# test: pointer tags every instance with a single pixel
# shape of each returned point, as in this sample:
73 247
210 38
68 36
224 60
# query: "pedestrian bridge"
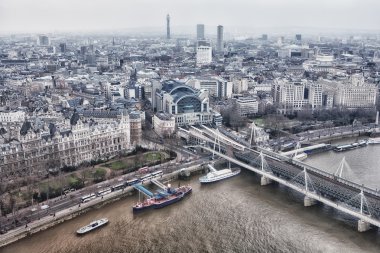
332 190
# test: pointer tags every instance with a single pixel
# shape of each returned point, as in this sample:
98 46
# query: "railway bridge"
316 185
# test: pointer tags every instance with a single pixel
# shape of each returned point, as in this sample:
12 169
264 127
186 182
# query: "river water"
236 215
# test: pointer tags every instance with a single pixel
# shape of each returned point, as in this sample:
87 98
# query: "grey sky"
64 15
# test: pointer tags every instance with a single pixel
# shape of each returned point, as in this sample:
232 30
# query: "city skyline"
99 15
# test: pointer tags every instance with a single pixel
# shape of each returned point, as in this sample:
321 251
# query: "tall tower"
200 32
219 45
168 27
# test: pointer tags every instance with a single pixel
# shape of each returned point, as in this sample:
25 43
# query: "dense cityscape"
89 118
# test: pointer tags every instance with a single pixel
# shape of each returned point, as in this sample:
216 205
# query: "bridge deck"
327 197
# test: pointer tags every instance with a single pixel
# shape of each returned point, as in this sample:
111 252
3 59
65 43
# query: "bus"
87 198
157 173
143 170
146 177
132 181
104 192
117 187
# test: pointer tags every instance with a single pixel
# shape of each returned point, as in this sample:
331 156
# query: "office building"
219 43
164 124
168 27
62 47
204 55
200 32
247 106
43 40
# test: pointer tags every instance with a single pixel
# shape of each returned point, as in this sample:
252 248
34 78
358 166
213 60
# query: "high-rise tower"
219 44
168 27
200 31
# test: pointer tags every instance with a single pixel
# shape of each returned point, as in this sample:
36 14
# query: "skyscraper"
43 40
62 46
298 37
168 27
219 45
200 32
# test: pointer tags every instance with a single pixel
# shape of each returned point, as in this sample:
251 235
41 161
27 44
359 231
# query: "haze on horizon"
107 15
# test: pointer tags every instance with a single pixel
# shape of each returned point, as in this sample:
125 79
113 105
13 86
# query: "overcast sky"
65 15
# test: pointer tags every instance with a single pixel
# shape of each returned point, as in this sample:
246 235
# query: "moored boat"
93 225
217 175
162 199
374 140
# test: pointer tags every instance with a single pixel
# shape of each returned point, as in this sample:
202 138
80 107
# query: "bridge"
332 190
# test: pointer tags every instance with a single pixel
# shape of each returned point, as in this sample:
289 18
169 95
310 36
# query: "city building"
43 40
68 144
291 95
62 47
189 106
356 93
164 124
168 27
204 55
247 106
17 116
200 31
219 42
216 86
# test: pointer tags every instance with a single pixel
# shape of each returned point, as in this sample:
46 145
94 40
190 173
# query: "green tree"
100 175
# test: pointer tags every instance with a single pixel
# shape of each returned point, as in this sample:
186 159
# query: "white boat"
93 225
217 175
300 157
374 140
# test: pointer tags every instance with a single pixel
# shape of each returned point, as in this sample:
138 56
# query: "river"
236 215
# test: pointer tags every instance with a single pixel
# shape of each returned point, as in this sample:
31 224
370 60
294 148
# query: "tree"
99 175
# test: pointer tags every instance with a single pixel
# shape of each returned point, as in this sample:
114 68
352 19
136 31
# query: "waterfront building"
291 95
356 93
37 150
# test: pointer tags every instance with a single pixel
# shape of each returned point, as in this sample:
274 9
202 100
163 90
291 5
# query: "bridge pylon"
264 167
363 225
307 201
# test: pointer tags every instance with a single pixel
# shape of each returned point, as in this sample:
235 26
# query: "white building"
247 106
293 96
204 55
18 116
216 86
164 124
356 93
114 90
240 85
315 95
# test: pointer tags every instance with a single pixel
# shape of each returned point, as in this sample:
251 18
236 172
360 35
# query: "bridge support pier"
265 180
307 201
363 226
